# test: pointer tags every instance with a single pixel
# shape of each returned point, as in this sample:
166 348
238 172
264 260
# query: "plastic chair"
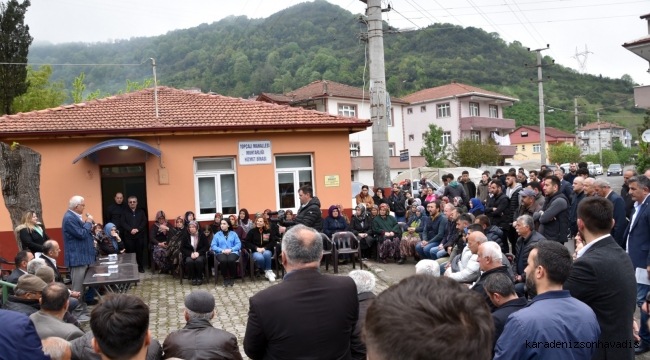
347 243
329 252
181 267
242 266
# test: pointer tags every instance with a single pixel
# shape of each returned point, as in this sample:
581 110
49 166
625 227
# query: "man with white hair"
57 348
527 237
365 281
490 261
464 267
427 267
604 190
589 187
34 265
78 241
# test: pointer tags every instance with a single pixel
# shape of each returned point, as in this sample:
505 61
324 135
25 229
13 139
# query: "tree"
609 157
564 153
41 94
14 46
433 150
623 153
78 88
473 153
645 126
643 158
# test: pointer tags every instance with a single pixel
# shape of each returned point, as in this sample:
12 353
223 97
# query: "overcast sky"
601 25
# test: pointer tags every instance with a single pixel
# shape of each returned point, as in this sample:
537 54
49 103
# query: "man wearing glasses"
134 223
79 244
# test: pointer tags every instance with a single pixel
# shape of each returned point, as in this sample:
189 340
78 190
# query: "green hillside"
238 56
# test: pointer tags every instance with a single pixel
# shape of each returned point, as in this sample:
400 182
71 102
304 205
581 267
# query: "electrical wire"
494 26
527 10
416 25
34 64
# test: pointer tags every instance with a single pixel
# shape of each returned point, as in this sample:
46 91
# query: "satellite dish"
646 136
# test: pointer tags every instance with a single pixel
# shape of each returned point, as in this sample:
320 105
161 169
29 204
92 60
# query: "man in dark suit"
609 290
306 316
21 260
638 244
134 224
115 211
502 293
604 190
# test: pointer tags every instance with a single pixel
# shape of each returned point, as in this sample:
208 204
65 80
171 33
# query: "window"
444 110
476 136
494 111
409 111
292 172
473 109
348 110
215 187
355 149
424 136
391 149
423 108
411 137
537 148
389 120
524 134
446 138
523 147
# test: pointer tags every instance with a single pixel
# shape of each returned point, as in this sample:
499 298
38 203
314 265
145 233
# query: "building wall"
256 184
589 139
417 123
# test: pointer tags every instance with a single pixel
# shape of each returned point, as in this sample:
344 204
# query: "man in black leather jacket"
309 213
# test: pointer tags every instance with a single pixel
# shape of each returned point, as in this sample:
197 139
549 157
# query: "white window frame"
350 109
296 180
423 108
391 149
523 147
475 135
496 109
216 174
537 148
476 107
443 110
355 149
446 138
409 111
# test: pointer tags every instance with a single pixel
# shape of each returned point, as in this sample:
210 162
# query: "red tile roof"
178 110
320 89
453 89
639 41
549 131
603 125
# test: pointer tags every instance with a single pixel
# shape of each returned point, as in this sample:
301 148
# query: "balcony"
481 122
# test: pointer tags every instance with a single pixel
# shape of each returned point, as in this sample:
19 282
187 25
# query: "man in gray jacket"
49 320
554 216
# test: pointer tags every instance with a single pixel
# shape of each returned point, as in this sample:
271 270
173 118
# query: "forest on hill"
239 56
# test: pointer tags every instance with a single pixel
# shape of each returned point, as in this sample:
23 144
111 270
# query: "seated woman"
361 226
234 226
189 216
158 236
110 242
476 207
31 233
226 245
261 244
288 215
342 214
388 233
98 236
379 197
194 247
245 221
215 224
334 222
411 237
174 243
458 202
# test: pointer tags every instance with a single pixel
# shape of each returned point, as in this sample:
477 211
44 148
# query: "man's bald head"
302 245
589 187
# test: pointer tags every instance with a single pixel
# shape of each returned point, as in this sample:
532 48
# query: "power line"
534 9
416 25
536 22
495 26
416 7
522 23
33 64
276 20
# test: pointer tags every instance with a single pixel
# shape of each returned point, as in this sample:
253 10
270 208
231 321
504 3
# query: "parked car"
592 170
615 169
356 189
599 169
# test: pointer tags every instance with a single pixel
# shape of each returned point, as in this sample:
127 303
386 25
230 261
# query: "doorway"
130 180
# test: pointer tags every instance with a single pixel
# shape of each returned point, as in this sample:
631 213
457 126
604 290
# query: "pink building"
461 111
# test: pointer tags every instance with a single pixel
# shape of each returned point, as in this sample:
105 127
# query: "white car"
599 169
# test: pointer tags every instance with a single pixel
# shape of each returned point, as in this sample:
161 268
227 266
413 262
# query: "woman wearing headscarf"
215 224
458 202
174 243
234 226
476 207
261 245
190 216
388 233
379 197
374 211
334 222
342 214
244 221
31 233
110 242
361 226
411 237
97 230
194 246
226 245
158 236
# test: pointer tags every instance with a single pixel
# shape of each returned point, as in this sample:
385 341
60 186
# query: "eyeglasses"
82 205
133 202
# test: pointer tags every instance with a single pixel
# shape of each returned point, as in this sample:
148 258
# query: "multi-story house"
526 140
608 132
641 47
461 111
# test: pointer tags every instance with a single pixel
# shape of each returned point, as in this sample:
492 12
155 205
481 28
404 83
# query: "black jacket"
57 274
20 305
379 201
133 220
106 246
500 315
15 274
82 349
470 189
610 291
478 286
284 321
310 215
397 203
32 240
566 188
573 214
629 203
357 346
114 214
254 240
500 217
514 204
523 247
200 340
202 246
358 226
554 223
494 233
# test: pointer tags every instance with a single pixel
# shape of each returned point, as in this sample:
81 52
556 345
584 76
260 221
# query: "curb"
379 272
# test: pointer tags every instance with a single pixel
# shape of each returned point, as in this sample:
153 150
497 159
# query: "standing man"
552 316
539 196
554 216
309 213
528 205
281 318
497 209
604 190
609 291
483 188
398 203
513 188
532 176
134 223
638 245
78 242
573 172
115 211
625 192
578 195
589 187
566 187
527 237
468 185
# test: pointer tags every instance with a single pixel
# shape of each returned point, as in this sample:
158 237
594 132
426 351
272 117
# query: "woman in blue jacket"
226 245
334 222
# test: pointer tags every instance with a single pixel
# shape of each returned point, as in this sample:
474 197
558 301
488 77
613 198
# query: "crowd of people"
492 273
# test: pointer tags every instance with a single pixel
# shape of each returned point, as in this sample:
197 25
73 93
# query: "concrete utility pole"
575 115
540 80
378 95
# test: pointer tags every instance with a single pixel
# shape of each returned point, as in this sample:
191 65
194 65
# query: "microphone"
88 214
